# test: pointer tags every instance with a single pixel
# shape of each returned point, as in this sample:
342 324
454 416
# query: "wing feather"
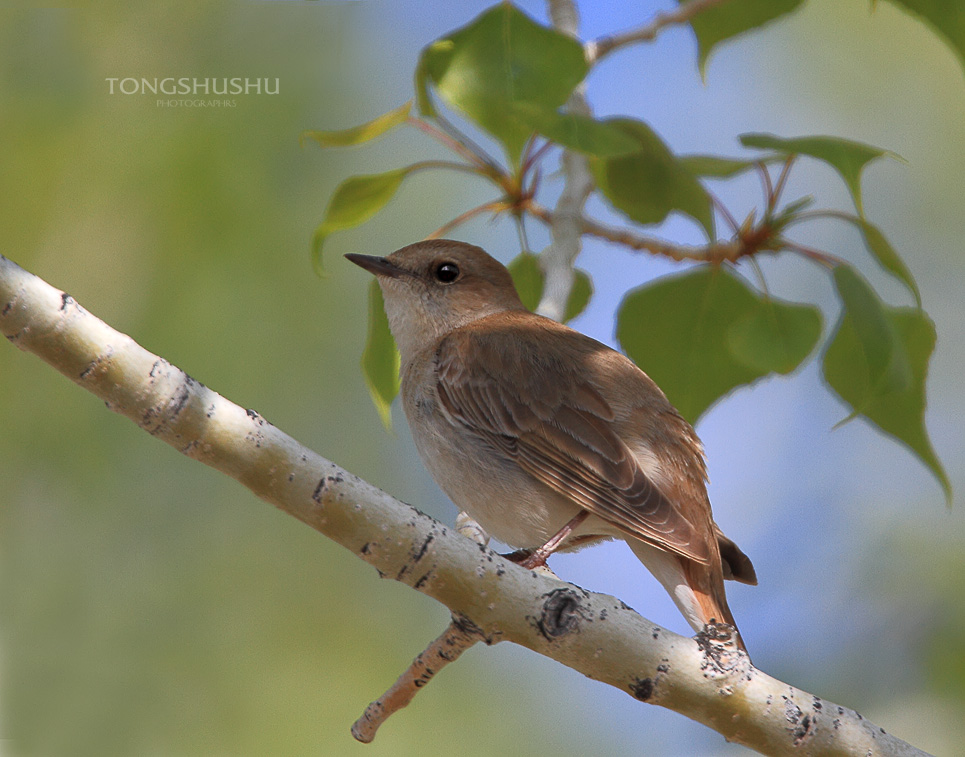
560 436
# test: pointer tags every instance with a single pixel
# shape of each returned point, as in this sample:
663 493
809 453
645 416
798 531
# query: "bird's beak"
378 266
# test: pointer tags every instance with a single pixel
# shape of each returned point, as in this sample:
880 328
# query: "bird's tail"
696 589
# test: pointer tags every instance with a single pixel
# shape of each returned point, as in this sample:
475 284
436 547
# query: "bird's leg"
537 558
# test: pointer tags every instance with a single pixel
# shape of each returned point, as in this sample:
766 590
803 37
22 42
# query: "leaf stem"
823 258
450 164
811 215
722 209
496 206
767 186
446 140
520 219
782 181
760 276
448 128
534 157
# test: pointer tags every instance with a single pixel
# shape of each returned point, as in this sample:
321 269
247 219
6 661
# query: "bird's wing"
559 432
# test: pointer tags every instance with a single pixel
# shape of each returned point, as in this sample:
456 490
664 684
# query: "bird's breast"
486 482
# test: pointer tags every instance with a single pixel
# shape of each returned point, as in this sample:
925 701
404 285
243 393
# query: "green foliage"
499 61
380 359
576 132
529 280
847 157
703 333
355 201
883 360
946 17
877 362
647 185
775 337
722 22
580 295
362 133
886 255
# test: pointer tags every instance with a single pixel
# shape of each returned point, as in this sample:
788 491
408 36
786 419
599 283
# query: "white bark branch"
499 601
567 223
558 259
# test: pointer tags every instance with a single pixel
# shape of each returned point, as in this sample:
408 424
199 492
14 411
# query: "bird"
547 438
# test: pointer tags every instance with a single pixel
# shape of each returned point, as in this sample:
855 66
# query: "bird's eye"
447 272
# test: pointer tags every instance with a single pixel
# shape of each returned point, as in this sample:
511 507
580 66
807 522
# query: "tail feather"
709 596
696 589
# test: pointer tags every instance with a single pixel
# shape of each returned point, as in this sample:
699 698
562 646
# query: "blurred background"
149 605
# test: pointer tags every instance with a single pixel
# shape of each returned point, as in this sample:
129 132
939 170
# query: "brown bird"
549 439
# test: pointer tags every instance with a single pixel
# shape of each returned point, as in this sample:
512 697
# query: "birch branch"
497 600
566 221
558 258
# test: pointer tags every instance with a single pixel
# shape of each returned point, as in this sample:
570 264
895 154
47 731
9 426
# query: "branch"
566 222
450 645
455 640
717 252
557 260
494 599
597 49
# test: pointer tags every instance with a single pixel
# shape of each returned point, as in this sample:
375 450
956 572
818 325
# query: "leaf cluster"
706 331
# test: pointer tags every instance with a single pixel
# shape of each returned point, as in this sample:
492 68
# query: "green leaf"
718 23
500 59
880 352
576 132
649 184
775 337
579 295
896 408
945 17
885 254
380 358
703 333
362 133
528 278
354 202
848 158
422 97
